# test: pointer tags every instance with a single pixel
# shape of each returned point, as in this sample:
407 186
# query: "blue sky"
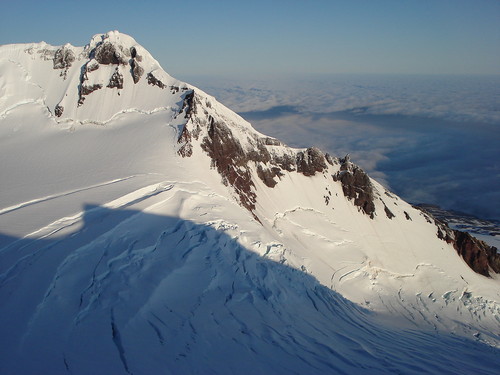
274 37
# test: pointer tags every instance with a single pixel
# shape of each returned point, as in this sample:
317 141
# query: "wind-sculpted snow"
141 293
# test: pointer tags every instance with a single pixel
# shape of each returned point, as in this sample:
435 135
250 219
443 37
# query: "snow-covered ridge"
91 84
246 159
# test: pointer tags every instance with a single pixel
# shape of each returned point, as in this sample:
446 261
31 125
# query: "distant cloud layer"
457 98
429 139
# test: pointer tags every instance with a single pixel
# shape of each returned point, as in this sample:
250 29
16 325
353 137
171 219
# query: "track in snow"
18 206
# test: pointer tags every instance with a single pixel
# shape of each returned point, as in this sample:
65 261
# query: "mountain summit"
91 84
146 228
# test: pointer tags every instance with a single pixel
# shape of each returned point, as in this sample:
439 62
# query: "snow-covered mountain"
147 229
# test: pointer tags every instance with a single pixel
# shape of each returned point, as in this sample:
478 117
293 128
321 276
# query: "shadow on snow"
131 292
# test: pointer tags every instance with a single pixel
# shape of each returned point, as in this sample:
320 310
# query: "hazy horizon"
292 37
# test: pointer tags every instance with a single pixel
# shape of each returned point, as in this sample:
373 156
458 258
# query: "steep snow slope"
145 228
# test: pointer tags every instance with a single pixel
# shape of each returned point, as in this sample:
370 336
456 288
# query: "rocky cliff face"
479 256
356 186
234 161
63 59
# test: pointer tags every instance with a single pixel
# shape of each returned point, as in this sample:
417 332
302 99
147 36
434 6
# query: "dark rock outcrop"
259 154
356 186
481 257
228 156
59 110
267 175
134 54
136 70
285 162
63 58
152 80
329 159
116 80
189 106
388 212
444 232
86 90
311 161
268 141
108 53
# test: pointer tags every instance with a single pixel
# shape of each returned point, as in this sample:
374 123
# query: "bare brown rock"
186 150
329 159
356 186
388 212
152 80
311 161
85 90
267 176
136 70
107 53
481 257
59 110
116 80
63 58
286 162
228 156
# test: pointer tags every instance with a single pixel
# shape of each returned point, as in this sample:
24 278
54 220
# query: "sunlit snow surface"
118 256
